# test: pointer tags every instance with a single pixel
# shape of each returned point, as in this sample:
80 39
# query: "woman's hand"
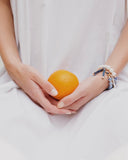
35 86
87 90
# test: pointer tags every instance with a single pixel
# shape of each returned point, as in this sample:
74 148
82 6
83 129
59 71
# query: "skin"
35 85
93 86
30 80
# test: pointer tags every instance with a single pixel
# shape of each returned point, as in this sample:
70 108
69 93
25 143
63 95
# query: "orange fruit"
64 81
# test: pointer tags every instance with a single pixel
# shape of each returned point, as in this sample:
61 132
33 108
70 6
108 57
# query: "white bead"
114 74
106 67
101 66
111 70
109 67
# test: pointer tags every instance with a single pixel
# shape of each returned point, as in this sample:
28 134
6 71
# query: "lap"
99 127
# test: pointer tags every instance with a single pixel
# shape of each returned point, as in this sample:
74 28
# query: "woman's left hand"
86 91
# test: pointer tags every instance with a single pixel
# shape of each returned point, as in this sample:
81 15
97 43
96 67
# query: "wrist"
109 72
14 66
104 82
11 61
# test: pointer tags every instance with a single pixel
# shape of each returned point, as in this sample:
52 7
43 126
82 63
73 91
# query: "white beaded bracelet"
109 68
111 75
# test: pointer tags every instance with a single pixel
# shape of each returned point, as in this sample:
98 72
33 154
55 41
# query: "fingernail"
60 105
54 92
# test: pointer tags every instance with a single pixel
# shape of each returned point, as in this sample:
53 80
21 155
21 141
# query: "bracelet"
112 79
109 68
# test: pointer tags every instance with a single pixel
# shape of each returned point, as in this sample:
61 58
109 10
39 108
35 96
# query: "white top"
77 36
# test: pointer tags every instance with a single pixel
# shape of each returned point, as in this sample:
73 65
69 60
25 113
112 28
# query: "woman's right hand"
35 86
25 76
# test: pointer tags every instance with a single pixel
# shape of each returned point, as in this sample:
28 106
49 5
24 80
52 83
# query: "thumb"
49 88
46 86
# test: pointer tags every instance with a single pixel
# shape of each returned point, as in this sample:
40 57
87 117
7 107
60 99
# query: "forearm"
8 46
119 57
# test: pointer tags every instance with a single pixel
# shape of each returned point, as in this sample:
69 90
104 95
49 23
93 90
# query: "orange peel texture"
64 81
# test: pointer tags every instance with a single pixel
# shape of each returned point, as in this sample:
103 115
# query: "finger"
54 102
46 85
50 108
72 112
34 92
38 95
51 99
63 112
78 104
54 110
68 100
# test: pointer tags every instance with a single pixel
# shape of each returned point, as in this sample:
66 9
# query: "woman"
39 37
